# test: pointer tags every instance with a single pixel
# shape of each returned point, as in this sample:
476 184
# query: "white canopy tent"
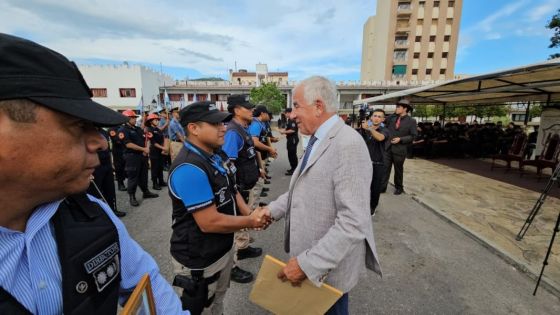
538 82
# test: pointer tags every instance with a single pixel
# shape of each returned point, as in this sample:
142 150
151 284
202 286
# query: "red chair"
515 152
548 157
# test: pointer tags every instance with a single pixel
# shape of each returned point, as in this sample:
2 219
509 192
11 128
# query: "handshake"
260 218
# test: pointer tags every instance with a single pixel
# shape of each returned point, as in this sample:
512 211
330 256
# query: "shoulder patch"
112 133
121 135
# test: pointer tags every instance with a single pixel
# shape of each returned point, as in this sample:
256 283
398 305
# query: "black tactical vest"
189 245
246 162
89 252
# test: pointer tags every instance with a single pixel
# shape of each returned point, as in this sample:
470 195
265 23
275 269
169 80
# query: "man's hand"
292 272
273 152
262 173
396 140
364 125
260 218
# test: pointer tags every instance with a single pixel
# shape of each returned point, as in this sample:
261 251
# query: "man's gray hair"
320 88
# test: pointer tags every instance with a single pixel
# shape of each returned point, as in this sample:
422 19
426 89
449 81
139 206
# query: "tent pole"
527 113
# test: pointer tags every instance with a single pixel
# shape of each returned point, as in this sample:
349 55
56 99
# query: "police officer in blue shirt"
135 157
62 251
207 210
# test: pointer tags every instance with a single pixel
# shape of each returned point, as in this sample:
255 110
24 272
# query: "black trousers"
118 163
398 161
103 178
292 155
137 171
156 163
376 185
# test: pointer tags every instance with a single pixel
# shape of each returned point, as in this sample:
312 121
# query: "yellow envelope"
281 298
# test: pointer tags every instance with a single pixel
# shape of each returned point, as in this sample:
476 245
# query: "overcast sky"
305 37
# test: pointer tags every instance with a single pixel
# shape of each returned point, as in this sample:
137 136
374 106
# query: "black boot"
162 183
122 187
133 201
156 186
240 276
249 252
120 214
149 194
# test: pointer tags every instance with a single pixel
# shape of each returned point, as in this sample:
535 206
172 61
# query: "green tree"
435 111
270 96
554 24
420 111
535 111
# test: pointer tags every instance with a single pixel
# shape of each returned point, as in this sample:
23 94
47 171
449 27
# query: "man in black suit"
402 131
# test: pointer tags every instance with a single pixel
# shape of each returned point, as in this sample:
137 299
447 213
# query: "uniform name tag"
104 267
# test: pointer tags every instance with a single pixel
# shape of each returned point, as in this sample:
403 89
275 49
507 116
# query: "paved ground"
430 267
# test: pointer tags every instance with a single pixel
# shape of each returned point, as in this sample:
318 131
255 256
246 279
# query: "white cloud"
209 36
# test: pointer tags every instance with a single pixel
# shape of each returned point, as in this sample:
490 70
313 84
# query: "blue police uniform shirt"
31 270
174 128
256 128
233 143
191 185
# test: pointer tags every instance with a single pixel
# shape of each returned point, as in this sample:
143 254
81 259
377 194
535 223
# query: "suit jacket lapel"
323 145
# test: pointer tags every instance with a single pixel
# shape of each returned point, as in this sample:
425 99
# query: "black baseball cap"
259 110
203 111
238 100
34 72
288 110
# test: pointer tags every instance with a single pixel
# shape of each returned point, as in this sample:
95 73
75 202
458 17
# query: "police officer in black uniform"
292 140
207 210
103 185
157 151
63 251
117 150
136 157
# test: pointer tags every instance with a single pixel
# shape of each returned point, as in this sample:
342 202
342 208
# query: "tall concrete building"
411 40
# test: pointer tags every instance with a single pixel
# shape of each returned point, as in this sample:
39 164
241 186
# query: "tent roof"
535 82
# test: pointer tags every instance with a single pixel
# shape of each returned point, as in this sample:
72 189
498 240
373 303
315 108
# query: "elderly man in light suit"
328 228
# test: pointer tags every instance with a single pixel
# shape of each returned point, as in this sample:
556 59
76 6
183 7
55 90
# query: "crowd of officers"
212 180
461 140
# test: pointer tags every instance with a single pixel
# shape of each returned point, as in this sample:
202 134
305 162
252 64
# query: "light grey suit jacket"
330 227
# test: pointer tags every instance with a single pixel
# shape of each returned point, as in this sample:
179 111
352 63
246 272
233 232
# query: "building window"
444 55
518 117
414 71
175 97
432 38
421 4
451 4
430 55
418 39
449 21
99 92
416 55
399 54
441 71
420 22
401 40
436 4
399 70
446 38
127 92
428 71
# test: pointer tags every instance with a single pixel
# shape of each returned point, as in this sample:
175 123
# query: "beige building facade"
261 75
411 40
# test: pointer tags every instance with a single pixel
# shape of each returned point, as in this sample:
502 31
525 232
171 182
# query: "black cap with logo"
203 111
31 71
259 110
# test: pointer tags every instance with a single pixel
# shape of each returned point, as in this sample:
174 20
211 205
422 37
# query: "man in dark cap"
402 131
207 210
176 133
62 250
292 140
239 146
